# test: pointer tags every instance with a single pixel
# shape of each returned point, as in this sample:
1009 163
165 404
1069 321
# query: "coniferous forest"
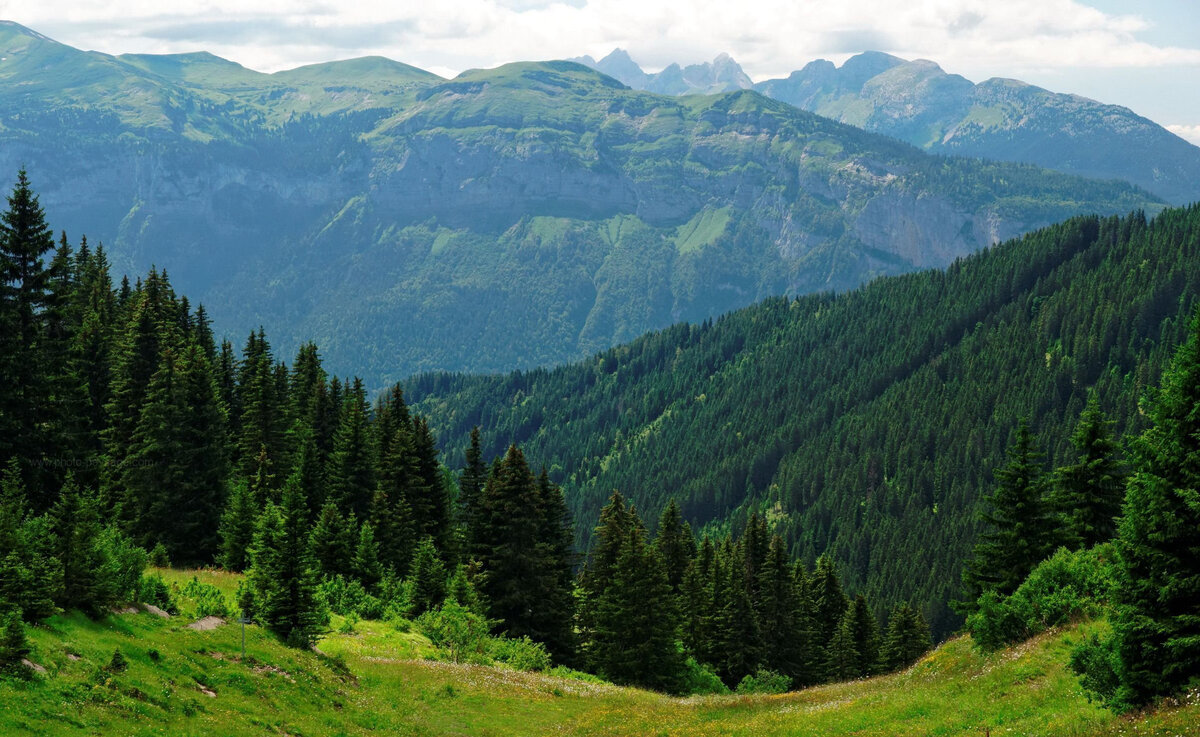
918 419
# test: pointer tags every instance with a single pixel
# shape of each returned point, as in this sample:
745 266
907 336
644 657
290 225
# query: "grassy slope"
953 691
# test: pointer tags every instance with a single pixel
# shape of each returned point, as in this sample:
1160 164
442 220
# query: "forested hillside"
867 425
509 218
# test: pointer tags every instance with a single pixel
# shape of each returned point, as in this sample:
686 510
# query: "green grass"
374 681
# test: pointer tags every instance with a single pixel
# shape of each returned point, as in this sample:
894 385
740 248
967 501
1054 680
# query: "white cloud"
1189 133
978 38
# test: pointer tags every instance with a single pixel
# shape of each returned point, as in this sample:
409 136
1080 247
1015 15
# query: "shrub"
460 633
1067 586
209 600
154 590
117 663
1095 661
521 653
159 557
701 679
346 596
764 681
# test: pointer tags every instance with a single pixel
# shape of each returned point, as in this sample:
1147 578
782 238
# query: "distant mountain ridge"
508 218
916 101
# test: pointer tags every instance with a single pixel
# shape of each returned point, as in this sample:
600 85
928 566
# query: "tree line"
132 435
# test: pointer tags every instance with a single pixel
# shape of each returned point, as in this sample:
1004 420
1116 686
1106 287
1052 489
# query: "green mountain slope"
513 217
181 681
866 425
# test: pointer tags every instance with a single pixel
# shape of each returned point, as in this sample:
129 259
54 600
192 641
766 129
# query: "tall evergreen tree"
1089 492
394 529
333 542
351 472
907 637
283 576
1020 529
842 658
556 611
25 296
86 579
428 577
865 629
1156 623
783 632
470 486
830 604
636 621
675 544
238 523
368 568
263 419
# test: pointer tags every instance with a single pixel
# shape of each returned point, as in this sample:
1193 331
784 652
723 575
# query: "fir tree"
842 658
429 498
470 486
674 543
86 579
783 635
866 637
830 604
367 567
1089 492
462 591
14 648
907 638
1020 528
237 528
555 613
428 577
1156 623
333 542
394 529
636 621
351 470
283 578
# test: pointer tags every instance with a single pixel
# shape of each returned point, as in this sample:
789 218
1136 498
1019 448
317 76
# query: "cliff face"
513 217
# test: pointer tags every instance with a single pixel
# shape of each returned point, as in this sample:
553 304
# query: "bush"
154 590
159 557
764 681
457 631
117 664
123 564
1067 586
521 654
701 679
1095 662
346 596
209 600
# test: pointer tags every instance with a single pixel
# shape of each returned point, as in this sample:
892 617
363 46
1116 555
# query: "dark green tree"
333 542
842 658
907 637
237 528
866 637
1089 492
1020 527
428 577
368 568
351 471
1156 623
675 544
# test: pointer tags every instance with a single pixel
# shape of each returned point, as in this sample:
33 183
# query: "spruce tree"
351 470
470 486
263 408
1156 622
25 295
30 574
394 530
237 528
283 576
429 498
1020 530
636 621
333 542
1089 492
783 635
428 577
866 637
85 571
367 567
841 656
674 543
14 648
907 638
830 604
555 615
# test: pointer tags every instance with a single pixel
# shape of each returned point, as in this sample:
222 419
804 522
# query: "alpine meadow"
576 397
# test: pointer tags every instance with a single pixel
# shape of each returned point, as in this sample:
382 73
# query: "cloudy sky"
1144 55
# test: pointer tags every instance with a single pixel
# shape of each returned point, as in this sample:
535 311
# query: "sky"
1143 55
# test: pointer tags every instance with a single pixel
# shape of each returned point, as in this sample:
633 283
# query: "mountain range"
918 102
508 218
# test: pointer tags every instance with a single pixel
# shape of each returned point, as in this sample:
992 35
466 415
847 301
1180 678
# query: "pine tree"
429 499
333 542
30 576
237 528
866 637
263 408
367 567
1156 623
86 583
428 577
90 361
25 295
1020 527
462 591
1089 492
470 486
778 609
283 577
674 543
637 623
394 529
830 604
907 638
842 657
13 646
351 471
